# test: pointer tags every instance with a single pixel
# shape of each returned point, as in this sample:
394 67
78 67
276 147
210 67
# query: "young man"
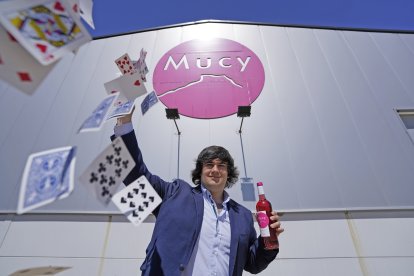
199 230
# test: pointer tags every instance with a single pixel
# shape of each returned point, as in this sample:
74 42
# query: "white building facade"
330 135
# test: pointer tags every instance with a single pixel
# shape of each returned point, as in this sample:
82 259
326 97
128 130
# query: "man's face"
214 175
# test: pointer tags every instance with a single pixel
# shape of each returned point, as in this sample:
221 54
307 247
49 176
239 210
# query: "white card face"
98 117
108 170
112 87
17 67
137 200
141 66
47 29
47 177
124 64
131 85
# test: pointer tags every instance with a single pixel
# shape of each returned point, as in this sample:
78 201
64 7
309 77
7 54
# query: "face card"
98 117
43 270
17 67
125 65
148 102
74 5
137 200
48 176
121 110
108 170
47 29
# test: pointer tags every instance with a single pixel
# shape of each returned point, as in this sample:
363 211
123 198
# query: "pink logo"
208 79
262 219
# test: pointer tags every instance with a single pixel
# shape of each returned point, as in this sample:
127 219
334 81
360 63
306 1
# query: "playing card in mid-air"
121 110
48 176
130 85
19 68
43 270
141 66
47 29
85 10
112 87
108 170
99 115
148 102
137 200
124 64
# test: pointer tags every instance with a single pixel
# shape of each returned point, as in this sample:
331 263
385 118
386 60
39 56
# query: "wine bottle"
264 210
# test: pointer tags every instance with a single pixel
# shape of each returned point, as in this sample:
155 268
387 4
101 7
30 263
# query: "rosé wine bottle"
264 209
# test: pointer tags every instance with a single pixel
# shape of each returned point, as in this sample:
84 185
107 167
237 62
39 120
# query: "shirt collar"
207 195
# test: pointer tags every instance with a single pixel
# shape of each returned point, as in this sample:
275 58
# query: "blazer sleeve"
163 188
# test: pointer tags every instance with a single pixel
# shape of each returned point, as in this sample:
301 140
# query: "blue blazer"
178 225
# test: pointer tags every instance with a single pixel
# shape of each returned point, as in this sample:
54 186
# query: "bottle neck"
261 193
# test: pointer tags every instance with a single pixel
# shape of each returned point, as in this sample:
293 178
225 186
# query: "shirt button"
182 267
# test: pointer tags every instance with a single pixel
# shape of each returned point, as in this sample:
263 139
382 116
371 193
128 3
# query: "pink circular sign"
208 79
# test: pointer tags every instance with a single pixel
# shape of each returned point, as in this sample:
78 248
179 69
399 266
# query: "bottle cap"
259 184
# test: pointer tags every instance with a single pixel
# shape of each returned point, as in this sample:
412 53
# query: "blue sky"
121 16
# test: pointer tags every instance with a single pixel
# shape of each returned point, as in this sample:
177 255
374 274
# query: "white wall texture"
314 244
333 154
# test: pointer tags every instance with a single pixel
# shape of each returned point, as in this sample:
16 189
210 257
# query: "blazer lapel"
234 224
199 204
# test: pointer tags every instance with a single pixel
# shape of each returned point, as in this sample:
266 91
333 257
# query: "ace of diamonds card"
17 67
47 29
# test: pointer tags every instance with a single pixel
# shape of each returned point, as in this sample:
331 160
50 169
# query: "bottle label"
263 221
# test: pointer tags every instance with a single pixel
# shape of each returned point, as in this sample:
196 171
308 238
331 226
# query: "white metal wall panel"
301 127
393 162
323 133
320 244
78 266
352 177
55 239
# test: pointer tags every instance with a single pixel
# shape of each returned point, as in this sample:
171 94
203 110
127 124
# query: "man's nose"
215 168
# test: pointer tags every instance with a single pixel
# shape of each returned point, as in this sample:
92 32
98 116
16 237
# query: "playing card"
74 5
141 66
148 102
130 85
47 29
137 200
112 87
108 170
121 110
48 176
43 270
124 64
85 10
95 121
17 67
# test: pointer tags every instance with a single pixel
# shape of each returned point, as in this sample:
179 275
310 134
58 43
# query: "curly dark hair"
209 154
